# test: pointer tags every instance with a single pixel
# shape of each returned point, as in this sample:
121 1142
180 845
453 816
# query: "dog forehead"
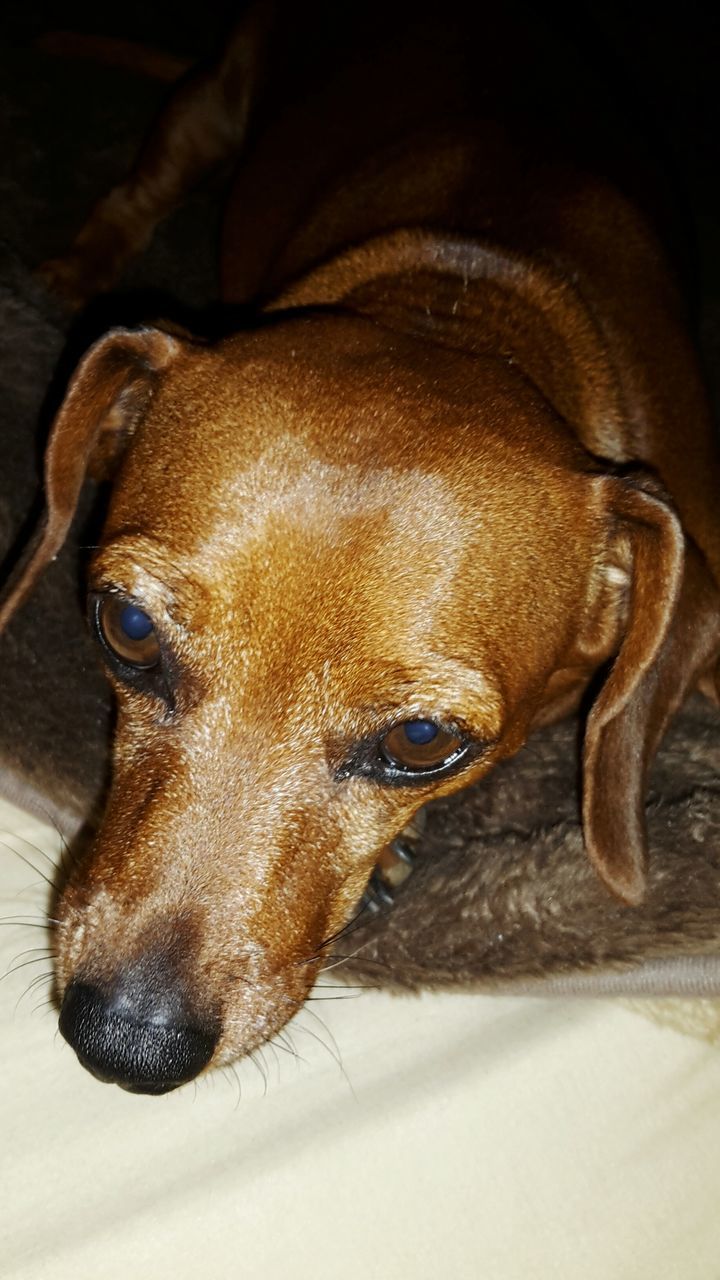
233 457
295 403
336 384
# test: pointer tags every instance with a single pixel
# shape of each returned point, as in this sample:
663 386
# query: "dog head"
341 575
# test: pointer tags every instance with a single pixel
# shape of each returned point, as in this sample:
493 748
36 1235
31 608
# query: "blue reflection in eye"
135 623
420 732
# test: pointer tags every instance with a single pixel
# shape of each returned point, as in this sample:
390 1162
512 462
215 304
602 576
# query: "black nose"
144 1045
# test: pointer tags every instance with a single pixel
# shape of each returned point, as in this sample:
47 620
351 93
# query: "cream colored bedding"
461 1137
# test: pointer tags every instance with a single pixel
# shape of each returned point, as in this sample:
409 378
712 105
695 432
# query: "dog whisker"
28 863
66 851
354 995
260 1067
30 922
273 1048
337 961
36 848
230 1074
236 1077
47 1004
36 982
347 928
47 952
325 1028
282 1040
331 1048
15 968
344 986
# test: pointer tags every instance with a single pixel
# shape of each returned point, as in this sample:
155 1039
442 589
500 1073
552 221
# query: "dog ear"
671 636
107 396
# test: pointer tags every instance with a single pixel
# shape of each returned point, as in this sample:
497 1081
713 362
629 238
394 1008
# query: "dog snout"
145 1040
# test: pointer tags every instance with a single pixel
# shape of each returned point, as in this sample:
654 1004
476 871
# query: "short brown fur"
462 465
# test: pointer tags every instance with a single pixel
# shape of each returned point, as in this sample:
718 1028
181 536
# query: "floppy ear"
671 636
108 394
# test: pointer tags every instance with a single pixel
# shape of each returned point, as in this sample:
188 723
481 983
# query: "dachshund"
453 478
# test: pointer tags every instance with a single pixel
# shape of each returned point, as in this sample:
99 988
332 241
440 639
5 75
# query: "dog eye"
416 745
128 632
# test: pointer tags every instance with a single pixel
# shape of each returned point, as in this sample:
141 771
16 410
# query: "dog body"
371 540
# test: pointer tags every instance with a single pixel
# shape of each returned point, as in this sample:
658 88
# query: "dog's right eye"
419 745
128 632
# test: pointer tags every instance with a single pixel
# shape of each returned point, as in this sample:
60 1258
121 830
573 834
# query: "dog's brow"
445 688
144 568
459 682
457 693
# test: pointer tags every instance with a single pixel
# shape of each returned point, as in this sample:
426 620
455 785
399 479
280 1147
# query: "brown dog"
356 552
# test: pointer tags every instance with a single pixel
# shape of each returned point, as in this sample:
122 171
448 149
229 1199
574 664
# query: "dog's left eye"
419 745
128 632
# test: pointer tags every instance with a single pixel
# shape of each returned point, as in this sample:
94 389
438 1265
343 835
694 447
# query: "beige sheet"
464 1136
